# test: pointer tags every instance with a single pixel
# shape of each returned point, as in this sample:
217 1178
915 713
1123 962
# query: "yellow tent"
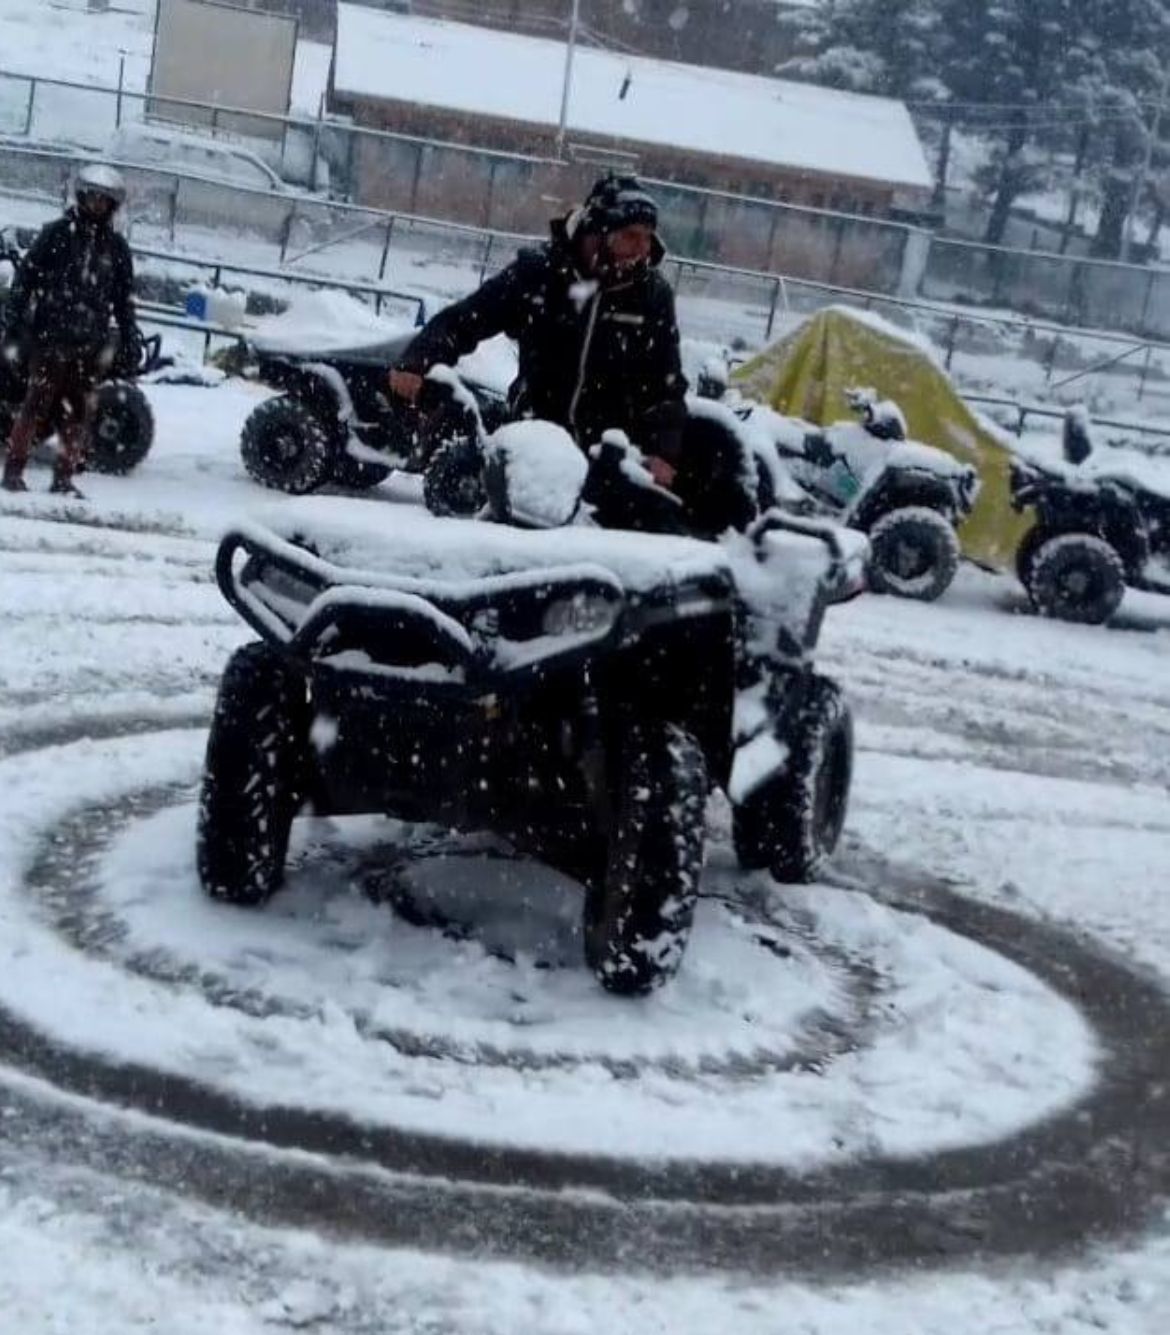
806 374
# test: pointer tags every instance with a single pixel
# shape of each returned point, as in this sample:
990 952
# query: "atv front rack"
458 636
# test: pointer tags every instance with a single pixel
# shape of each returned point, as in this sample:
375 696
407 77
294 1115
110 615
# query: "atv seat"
325 345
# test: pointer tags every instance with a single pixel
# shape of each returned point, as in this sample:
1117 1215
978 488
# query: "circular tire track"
62 877
1096 1169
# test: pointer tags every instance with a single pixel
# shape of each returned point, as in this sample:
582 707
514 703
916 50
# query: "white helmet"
95 178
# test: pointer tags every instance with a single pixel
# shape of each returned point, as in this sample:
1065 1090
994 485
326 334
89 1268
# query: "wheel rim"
908 559
1080 584
108 429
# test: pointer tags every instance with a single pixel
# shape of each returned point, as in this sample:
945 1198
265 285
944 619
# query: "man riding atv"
77 275
595 324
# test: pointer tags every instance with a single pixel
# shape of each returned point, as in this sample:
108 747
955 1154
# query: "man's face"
95 206
628 248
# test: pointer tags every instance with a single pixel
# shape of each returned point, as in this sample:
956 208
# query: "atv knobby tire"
251 777
1030 544
453 480
289 446
121 430
791 823
638 915
915 553
1077 577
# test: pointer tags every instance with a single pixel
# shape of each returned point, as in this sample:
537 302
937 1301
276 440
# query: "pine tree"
1019 58
872 46
1127 75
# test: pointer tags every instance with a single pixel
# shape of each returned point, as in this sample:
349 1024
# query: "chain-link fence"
271 241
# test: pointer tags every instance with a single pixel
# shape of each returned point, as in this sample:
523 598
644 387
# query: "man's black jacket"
591 358
76 276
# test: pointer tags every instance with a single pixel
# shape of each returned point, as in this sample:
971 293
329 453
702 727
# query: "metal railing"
286 240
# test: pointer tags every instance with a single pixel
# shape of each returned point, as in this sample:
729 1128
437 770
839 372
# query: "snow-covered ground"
1023 763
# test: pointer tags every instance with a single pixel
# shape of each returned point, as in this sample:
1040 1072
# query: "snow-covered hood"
375 545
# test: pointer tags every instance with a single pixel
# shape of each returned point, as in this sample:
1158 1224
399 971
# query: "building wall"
736 176
514 194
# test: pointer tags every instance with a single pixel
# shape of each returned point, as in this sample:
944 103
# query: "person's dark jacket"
591 358
77 276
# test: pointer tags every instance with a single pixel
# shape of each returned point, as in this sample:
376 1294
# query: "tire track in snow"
1097 1168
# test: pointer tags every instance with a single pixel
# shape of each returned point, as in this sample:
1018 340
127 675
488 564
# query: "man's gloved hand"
662 472
128 358
406 385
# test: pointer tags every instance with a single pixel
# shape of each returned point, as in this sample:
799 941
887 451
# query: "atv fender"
316 384
923 490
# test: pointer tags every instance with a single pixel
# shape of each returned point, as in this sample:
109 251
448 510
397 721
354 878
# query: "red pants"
59 394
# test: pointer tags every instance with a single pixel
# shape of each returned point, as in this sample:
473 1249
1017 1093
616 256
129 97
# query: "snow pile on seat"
544 469
327 322
373 544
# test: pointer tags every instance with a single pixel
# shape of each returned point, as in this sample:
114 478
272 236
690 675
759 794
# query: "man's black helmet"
616 202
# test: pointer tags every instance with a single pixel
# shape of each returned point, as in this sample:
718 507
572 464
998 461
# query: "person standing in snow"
76 278
595 324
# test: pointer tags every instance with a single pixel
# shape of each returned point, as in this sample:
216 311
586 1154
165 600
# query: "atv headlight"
579 614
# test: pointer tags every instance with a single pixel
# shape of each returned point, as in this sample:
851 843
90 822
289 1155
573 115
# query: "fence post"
28 114
418 164
1145 372
1050 370
487 254
951 336
772 307
316 150
838 242
490 198
1150 279
174 207
286 231
386 248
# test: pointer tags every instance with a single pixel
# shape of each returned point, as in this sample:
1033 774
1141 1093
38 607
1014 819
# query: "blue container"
196 304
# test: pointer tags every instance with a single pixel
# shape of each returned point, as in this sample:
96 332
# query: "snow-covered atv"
576 690
334 421
1101 524
908 497
122 430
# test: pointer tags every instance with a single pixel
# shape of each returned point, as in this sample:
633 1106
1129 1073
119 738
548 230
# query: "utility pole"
1139 181
570 49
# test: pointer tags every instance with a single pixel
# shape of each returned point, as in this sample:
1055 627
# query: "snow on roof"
461 68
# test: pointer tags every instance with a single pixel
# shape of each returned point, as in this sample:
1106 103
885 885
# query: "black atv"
1100 526
123 426
909 498
335 422
577 690
122 430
